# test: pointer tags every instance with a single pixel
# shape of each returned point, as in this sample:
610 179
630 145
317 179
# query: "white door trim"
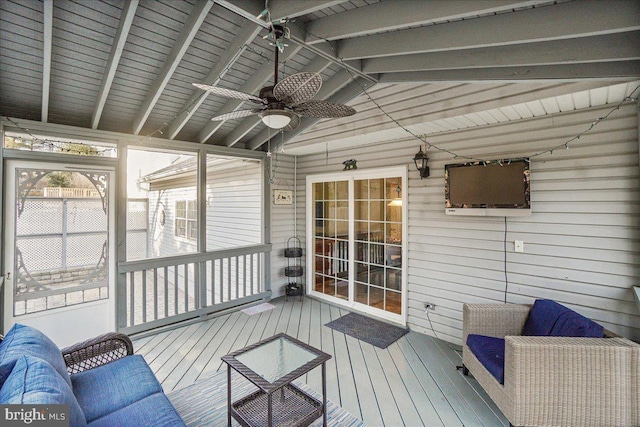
64 325
351 176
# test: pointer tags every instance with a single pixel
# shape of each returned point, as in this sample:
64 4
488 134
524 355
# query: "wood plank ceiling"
128 65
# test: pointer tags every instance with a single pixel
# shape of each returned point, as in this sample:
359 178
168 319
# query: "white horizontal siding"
234 207
581 241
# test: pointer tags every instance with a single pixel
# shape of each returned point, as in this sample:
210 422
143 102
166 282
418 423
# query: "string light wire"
429 145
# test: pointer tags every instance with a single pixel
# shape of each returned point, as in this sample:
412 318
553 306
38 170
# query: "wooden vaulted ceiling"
128 65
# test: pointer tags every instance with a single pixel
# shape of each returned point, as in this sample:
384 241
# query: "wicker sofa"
102 381
554 380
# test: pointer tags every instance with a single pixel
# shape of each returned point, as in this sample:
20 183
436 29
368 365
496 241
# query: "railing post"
64 233
202 283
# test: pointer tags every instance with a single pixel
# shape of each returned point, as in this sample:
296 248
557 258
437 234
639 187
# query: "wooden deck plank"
173 380
478 403
413 382
141 342
242 337
346 382
369 406
400 395
314 378
417 393
274 318
429 385
285 316
225 346
454 355
148 344
166 346
182 346
304 325
333 390
388 407
443 375
196 369
296 313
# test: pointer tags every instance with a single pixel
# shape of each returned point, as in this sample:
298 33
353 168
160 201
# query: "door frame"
9 226
351 176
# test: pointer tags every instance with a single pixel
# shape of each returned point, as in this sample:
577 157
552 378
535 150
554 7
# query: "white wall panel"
582 241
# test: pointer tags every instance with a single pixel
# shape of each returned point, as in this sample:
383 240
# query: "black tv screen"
495 188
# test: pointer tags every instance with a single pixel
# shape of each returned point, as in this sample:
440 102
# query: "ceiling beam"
340 88
251 9
327 51
623 70
126 19
259 79
317 65
564 20
605 48
293 9
222 66
393 16
189 31
47 31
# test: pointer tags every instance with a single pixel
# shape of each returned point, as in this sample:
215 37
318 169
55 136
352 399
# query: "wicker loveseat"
553 380
101 380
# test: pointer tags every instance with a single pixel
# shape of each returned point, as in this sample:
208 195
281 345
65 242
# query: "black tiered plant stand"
293 270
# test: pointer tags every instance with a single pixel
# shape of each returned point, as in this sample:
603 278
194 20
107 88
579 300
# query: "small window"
186 219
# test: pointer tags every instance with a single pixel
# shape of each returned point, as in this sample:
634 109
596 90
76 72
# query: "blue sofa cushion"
34 381
109 388
542 317
572 324
490 352
24 340
155 410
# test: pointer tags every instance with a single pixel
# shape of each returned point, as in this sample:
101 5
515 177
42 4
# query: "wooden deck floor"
413 382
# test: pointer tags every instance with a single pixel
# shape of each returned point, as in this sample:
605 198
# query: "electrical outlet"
429 306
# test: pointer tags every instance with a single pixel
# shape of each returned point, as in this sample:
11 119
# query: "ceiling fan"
280 106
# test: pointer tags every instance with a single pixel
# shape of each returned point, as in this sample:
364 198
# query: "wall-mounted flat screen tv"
495 188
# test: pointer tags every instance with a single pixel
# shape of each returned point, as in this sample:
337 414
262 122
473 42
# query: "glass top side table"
271 365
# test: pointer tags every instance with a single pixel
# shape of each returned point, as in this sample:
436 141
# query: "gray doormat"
366 329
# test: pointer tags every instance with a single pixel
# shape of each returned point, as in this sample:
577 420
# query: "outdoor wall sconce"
421 160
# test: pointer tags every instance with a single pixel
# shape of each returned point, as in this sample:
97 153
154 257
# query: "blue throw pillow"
542 317
24 340
572 324
34 381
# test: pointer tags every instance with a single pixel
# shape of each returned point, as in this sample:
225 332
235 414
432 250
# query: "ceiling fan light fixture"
276 119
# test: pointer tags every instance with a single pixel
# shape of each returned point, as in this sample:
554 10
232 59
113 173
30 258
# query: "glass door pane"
331 238
378 243
61 239
358 259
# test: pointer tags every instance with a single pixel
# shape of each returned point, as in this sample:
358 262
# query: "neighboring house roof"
183 173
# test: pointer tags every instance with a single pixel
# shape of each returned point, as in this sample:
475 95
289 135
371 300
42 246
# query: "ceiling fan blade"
293 124
323 109
238 114
297 88
229 93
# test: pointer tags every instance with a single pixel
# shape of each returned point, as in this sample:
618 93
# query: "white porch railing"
71 192
168 290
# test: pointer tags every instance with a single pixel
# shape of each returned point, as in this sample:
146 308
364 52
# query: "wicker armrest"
572 381
493 320
96 352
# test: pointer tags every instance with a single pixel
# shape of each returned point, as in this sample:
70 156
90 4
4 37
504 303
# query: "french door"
356 240
59 250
